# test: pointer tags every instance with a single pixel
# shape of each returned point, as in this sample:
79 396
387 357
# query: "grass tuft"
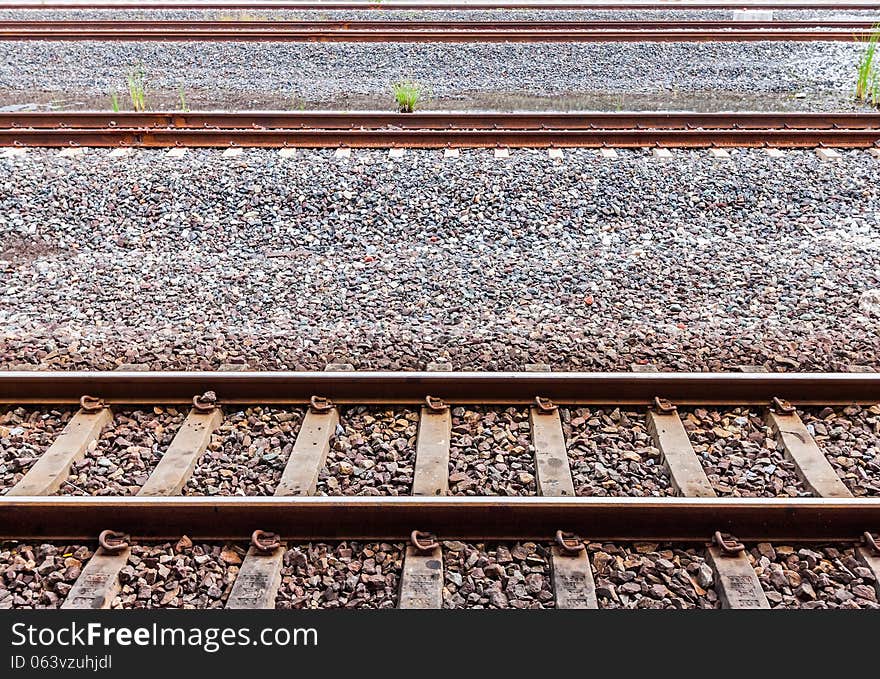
407 95
868 78
181 99
114 102
137 82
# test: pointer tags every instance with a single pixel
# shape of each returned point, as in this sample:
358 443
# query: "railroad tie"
98 584
256 585
801 448
736 582
258 579
431 476
571 573
52 469
179 461
300 475
421 583
685 470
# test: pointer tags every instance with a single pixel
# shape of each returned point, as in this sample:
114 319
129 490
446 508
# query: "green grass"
137 80
407 95
181 98
868 77
114 102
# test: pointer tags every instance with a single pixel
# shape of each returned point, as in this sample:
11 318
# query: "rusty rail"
419 35
453 120
409 25
478 5
438 130
397 388
464 518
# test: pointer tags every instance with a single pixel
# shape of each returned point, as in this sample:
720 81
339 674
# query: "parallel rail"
409 25
456 6
460 518
438 130
157 512
415 34
399 388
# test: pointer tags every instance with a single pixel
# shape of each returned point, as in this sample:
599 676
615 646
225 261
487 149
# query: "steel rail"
404 24
452 5
418 138
125 34
331 120
463 518
398 388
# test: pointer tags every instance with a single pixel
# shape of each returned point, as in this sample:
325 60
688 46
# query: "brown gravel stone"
247 453
814 577
163 576
611 454
740 454
491 453
373 453
511 575
25 434
121 460
343 575
850 439
38 576
649 575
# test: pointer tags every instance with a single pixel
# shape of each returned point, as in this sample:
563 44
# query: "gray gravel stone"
513 575
248 453
651 575
38 576
342 575
129 448
850 438
373 453
490 453
814 577
198 262
25 434
178 575
611 454
740 453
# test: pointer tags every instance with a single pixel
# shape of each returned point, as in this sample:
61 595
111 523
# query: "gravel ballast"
568 76
121 459
584 264
343 575
850 439
247 453
651 575
481 576
490 453
740 454
38 575
178 575
373 453
25 434
813 577
611 454
503 76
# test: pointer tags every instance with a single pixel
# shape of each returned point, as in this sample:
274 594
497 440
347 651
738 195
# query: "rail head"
410 388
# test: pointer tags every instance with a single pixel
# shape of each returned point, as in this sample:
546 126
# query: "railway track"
555 516
418 32
438 130
457 6
409 25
